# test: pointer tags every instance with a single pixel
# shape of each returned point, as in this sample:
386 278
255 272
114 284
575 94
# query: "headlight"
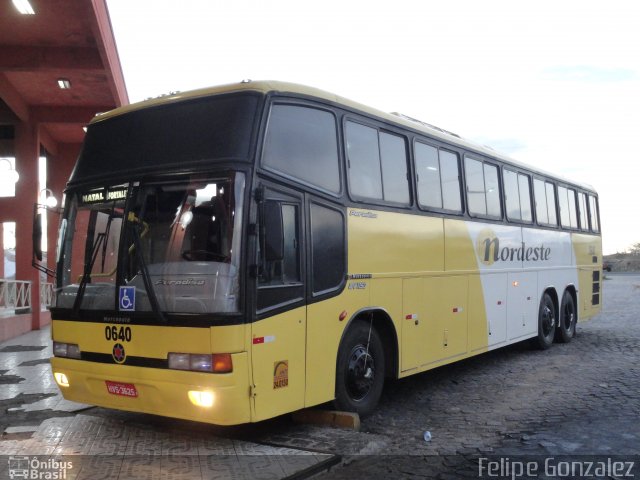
66 350
201 362
179 361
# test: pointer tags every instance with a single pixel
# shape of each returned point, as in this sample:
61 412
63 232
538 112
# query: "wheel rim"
548 320
568 316
360 373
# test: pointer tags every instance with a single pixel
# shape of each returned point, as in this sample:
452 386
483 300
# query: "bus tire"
546 322
360 370
567 318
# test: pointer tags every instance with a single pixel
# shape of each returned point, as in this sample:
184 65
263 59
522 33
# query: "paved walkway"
43 432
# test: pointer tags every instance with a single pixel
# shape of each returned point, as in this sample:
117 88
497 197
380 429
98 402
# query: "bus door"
278 335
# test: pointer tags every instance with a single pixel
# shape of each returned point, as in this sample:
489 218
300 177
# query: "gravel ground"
578 399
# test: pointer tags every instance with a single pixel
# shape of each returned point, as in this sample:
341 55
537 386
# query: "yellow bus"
232 254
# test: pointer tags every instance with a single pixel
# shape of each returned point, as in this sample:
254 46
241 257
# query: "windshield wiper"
105 243
146 278
86 275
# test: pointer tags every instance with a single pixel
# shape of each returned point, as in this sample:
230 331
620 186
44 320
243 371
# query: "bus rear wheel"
360 370
546 322
568 318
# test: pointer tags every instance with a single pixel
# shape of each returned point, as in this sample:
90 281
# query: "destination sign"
104 195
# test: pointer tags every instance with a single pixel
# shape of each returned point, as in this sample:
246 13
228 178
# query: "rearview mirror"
36 238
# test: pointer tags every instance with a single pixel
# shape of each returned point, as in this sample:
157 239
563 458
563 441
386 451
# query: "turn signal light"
222 363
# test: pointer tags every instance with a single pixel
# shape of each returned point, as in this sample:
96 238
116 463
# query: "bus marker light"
265 339
343 315
201 399
61 379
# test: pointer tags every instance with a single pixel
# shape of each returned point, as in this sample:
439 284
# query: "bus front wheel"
567 323
360 370
546 322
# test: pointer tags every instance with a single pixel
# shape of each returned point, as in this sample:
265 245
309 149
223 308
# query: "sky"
555 84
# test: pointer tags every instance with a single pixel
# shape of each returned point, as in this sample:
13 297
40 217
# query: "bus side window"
563 201
551 203
328 248
363 161
438 178
493 191
483 189
540 200
511 195
280 253
395 175
280 244
525 197
428 173
582 212
517 193
377 164
593 210
302 142
450 180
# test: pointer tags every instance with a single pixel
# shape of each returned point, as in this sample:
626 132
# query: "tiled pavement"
27 357
49 432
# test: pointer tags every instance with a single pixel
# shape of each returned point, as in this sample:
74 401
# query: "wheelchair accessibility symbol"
127 299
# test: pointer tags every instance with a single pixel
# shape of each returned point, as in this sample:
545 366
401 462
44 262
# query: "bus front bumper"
159 391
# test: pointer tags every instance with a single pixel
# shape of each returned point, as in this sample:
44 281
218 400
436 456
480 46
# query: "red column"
27 151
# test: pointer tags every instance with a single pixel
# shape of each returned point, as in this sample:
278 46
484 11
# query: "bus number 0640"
114 333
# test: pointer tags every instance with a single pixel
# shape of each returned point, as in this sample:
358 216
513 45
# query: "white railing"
15 297
46 295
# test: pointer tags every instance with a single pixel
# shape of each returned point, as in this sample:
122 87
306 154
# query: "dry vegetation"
624 262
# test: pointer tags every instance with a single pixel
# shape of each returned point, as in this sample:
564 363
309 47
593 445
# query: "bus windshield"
173 244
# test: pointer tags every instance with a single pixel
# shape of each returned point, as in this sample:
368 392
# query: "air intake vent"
425 124
595 297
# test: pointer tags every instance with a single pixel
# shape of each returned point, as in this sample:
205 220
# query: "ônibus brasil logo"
490 252
34 467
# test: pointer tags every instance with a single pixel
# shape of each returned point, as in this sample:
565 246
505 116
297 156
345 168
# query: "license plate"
122 389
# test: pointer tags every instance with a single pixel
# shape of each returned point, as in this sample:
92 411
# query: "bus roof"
270 86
